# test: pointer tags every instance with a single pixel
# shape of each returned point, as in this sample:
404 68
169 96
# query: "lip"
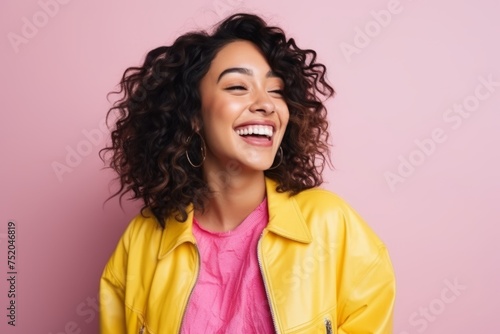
262 142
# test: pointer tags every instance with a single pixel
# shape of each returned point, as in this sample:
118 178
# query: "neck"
235 195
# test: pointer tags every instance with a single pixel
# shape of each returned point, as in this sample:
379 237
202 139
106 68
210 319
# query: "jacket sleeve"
367 283
369 306
112 289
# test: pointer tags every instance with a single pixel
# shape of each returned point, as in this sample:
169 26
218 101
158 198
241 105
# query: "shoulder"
322 199
332 220
136 244
141 227
323 209
322 202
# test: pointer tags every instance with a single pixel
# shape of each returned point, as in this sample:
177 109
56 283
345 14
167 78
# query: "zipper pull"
328 324
141 331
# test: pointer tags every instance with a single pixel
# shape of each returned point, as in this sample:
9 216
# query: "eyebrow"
246 71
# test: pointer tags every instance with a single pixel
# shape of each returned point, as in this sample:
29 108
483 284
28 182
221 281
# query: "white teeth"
263 130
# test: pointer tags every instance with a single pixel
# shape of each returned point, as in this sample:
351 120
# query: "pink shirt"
229 295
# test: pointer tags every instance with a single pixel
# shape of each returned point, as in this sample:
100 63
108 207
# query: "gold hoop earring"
280 153
203 151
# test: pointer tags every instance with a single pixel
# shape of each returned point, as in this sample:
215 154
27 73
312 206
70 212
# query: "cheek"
218 118
224 112
285 116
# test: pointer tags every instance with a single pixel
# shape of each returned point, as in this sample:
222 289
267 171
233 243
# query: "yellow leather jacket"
324 270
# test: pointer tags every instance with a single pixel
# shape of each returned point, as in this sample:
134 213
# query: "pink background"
439 220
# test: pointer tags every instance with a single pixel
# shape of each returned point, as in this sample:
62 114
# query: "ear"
196 125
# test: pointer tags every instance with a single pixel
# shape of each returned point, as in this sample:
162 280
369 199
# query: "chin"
261 166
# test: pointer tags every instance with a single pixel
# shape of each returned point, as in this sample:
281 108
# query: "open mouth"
256 131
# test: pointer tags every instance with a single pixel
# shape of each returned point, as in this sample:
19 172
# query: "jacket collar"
285 219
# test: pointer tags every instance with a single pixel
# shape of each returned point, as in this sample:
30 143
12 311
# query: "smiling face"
243 111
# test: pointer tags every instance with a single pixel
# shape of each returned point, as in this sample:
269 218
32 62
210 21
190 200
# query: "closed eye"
236 88
277 91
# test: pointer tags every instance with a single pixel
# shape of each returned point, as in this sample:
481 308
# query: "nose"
262 103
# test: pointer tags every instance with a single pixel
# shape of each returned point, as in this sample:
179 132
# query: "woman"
224 138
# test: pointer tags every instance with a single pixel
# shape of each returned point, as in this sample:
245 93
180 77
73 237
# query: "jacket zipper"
143 324
191 292
265 285
328 324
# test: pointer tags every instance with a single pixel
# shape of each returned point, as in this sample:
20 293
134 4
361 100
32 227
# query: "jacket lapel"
176 233
285 217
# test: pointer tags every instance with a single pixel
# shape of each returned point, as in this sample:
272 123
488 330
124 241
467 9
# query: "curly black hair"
160 105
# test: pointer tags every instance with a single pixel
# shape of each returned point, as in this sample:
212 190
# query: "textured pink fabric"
229 296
